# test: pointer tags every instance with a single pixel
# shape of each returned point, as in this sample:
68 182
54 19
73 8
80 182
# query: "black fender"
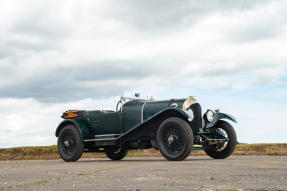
80 125
148 127
218 116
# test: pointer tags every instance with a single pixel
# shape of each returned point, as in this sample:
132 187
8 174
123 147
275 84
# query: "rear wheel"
70 144
223 150
174 139
116 153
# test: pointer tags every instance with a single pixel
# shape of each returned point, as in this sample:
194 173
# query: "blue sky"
59 55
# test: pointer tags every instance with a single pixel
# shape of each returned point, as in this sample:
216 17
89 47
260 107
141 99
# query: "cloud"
158 17
56 54
81 49
29 122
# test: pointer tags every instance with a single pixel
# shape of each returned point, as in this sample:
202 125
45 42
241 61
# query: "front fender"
173 111
147 127
79 124
218 116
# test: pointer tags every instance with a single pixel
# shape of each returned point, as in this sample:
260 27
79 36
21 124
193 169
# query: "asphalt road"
194 173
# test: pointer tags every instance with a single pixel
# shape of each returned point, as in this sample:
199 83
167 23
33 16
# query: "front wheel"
70 144
223 150
116 153
174 139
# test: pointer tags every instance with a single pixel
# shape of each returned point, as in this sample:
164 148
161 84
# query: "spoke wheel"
70 144
221 146
115 152
175 139
223 150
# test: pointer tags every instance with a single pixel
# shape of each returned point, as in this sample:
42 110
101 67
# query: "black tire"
70 144
115 152
227 149
174 139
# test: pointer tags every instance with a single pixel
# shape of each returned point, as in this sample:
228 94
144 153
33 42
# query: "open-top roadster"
174 127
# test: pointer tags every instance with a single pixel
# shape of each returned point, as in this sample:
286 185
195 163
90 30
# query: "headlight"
209 116
189 112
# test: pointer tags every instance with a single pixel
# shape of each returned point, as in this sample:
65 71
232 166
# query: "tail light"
71 114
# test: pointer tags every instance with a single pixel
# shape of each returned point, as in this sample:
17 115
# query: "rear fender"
80 125
218 116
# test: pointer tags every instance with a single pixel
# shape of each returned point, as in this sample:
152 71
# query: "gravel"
149 173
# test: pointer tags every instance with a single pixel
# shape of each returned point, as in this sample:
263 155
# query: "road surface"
194 173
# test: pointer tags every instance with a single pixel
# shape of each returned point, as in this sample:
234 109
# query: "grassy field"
50 152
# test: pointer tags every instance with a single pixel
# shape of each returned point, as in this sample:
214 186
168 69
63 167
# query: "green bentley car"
175 127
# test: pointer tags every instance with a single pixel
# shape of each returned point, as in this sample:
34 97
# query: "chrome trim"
174 105
142 111
107 139
106 135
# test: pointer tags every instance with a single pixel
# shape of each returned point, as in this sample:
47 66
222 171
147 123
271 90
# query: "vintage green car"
174 127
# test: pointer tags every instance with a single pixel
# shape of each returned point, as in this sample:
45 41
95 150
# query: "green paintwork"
218 116
103 122
154 116
133 114
138 111
134 122
151 108
81 124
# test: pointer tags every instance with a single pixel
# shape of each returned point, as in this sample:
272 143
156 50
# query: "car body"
174 126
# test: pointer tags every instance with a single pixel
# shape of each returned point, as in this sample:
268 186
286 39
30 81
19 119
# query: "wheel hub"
66 143
170 139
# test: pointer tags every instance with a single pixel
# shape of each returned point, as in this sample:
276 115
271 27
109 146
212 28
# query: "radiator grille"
196 123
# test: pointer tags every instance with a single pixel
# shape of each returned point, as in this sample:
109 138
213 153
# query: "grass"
115 168
261 149
22 153
59 178
21 185
42 181
2 188
51 152
83 173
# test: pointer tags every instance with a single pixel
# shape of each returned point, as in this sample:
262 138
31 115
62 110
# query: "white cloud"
53 52
29 122
41 41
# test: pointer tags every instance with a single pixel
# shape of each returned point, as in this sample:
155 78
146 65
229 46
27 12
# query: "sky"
72 54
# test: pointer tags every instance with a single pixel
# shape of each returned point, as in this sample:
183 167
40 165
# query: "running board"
104 137
107 139
107 135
